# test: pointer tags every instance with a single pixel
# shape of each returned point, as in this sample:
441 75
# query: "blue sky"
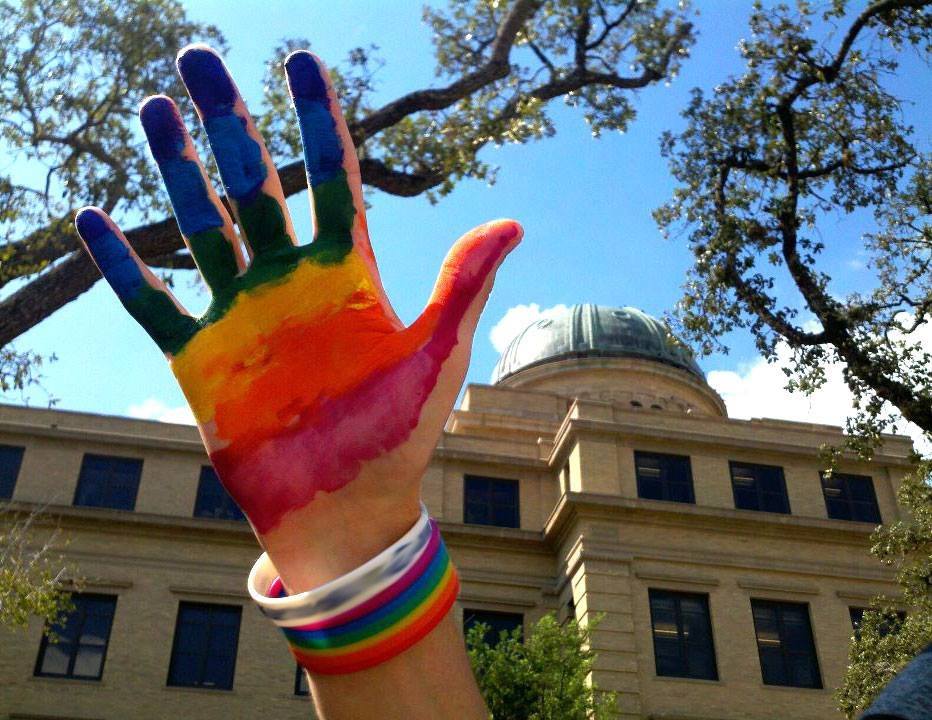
585 205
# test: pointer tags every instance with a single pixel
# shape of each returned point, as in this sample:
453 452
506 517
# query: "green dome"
584 331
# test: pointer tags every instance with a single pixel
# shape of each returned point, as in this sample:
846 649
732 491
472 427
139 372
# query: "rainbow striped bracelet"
369 615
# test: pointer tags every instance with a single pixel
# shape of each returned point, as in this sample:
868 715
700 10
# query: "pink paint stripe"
389 593
276 588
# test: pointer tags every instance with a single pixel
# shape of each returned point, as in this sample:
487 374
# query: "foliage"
811 133
75 72
884 644
542 678
30 573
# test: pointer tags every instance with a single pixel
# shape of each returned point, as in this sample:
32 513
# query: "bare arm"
318 407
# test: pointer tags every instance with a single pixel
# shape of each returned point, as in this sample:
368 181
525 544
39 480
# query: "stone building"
598 474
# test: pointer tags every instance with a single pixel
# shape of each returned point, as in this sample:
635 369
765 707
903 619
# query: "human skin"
318 407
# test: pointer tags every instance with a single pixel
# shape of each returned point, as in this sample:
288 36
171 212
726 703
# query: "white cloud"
154 409
516 319
758 389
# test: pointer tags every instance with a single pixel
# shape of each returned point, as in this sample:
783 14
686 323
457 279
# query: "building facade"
599 475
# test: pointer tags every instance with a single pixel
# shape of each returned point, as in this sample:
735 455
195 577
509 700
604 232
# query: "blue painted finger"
248 175
142 294
331 165
203 220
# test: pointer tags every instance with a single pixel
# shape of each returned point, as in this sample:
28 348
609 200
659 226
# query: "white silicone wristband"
344 592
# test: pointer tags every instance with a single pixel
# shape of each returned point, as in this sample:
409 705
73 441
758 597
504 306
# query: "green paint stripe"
214 257
161 318
263 224
334 212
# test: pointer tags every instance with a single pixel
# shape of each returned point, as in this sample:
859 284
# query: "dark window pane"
491 501
496 623
759 487
785 644
664 477
108 482
11 458
887 624
204 649
301 686
682 632
82 638
850 497
213 501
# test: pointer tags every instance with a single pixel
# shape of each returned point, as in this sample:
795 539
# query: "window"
682 635
108 482
301 686
213 501
10 460
81 640
204 650
850 497
490 501
496 623
784 644
664 477
759 487
887 624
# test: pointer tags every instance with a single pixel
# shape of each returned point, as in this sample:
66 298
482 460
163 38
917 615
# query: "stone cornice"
718 432
592 506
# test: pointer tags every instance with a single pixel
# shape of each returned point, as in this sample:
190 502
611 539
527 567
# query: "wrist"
332 537
370 615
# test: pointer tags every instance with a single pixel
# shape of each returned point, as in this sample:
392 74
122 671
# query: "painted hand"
318 407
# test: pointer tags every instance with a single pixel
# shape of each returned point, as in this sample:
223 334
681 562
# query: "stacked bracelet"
369 615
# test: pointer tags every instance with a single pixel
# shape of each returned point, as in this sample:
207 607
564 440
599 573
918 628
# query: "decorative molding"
72 584
240 594
778 587
492 603
653 576
484 577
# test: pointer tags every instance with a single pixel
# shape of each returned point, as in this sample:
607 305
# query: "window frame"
665 483
490 505
759 493
780 606
16 465
678 596
849 502
206 656
138 462
77 598
227 503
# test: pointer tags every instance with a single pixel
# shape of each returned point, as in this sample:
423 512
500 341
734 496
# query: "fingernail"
305 77
163 127
91 225
207 80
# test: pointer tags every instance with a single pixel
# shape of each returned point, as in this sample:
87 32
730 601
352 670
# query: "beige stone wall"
587 545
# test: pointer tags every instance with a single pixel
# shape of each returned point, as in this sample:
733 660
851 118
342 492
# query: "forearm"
430 680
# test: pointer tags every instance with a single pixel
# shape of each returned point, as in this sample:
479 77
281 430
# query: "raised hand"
318 407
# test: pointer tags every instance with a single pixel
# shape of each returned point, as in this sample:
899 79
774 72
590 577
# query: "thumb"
466 278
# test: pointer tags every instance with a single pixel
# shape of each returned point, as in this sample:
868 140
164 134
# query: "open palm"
318 407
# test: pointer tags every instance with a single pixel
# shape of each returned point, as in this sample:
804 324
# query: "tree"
809 133
812 132
544 678
75 72
30 574
884 643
